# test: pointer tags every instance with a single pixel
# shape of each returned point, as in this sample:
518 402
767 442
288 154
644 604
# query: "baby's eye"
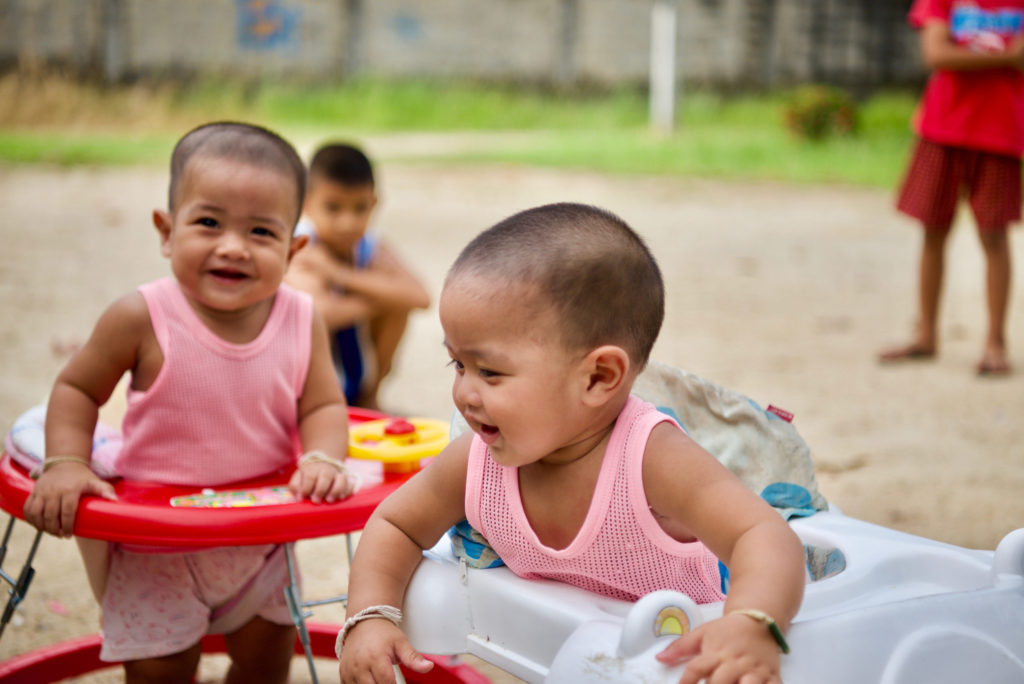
457 365
484 373
208 222
265 232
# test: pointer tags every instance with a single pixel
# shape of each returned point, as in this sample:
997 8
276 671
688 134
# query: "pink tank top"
620 551
217 412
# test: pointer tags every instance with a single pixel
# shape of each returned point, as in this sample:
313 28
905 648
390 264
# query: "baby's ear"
298 242
163 223
608 368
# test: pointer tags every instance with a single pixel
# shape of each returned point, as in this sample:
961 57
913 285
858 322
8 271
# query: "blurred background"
748 79
722 43
755 144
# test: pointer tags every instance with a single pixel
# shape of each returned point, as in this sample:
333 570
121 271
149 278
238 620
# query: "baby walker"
252 512
883 606
880 606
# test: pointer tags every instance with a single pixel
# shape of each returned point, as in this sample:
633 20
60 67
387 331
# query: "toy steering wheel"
400 444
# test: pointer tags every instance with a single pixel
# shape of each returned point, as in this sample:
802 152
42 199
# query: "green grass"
742 138
427 106
78 148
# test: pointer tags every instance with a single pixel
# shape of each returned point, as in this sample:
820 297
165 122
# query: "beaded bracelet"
317 456
386 612
768 621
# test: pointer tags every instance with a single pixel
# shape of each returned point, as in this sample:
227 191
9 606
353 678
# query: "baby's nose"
464 392
231 245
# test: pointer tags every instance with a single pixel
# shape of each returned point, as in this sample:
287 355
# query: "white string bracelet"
317 456
387 612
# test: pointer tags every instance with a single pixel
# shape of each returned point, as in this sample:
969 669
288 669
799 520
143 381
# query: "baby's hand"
724 651
54 500
322 482
371 649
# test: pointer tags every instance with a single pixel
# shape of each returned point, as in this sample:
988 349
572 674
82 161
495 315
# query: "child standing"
970 126
548 318
358 283
230 374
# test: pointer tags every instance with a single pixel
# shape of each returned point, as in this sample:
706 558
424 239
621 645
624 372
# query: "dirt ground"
781 292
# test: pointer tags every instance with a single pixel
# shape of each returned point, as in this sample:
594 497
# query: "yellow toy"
399 443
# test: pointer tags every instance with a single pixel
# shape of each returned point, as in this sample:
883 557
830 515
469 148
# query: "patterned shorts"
157 604
938 175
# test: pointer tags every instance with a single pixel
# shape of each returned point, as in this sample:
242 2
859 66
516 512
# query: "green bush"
818 112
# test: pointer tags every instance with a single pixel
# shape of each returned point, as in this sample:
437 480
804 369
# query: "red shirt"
981 109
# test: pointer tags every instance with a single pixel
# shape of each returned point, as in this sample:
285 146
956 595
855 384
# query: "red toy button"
399 426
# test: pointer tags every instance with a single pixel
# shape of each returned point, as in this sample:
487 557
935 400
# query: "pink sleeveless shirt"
620 551
217 412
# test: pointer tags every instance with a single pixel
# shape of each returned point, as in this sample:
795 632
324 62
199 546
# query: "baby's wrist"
318 456
768 621
51 461
389 613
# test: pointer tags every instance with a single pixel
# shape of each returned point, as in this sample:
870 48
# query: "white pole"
663 65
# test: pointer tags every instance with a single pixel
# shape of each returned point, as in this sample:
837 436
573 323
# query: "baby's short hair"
241 142
341 163
596 273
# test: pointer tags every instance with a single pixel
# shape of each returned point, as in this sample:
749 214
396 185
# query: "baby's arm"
940 51
323 426
310 271
691 489
84 385
410 520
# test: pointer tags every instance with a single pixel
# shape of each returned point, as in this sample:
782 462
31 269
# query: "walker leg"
7 537
291 596
19 587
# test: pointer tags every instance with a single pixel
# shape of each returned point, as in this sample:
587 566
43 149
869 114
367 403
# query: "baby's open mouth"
231 275
489 429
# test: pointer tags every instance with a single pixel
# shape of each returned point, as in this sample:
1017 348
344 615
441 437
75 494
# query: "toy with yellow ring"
399 443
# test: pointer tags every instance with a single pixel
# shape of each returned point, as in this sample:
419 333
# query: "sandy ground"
781 292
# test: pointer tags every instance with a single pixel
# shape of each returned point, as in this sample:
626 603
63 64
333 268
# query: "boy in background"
970 126
360 287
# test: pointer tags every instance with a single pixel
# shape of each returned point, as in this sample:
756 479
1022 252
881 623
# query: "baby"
548 318
231 378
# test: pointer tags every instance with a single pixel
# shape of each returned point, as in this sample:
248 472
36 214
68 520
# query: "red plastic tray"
142 513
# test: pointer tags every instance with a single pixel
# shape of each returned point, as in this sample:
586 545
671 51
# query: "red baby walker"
143 514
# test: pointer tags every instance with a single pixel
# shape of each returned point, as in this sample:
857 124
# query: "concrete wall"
720 42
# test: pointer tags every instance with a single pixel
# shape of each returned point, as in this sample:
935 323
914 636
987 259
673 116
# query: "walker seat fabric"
759 446
25 442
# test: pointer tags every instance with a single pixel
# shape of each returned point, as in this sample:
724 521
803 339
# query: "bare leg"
96 558
387 331
261 652
998 275
172 669
931 268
